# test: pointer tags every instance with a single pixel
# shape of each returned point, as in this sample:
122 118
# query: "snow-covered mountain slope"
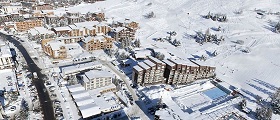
257 72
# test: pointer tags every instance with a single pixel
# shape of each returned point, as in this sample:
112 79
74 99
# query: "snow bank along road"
44 97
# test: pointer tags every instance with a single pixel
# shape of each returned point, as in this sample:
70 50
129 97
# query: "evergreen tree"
275 102
263 113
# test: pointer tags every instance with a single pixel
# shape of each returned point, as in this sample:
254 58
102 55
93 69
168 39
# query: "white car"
35 75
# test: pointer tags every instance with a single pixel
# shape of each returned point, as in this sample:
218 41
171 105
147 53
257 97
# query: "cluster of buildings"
91 89
170 71
9 83
59 35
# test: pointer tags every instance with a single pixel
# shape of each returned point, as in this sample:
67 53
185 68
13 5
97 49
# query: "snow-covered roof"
39 30
73 27
183 62
79 94
67 28
5 51
95 38
84 101
142 53
55 45
43 30
156 60
8 80
167 62
150 63
143 65
75 88
138 68
89 110
92 74
79 67
85 24
200 63
118 29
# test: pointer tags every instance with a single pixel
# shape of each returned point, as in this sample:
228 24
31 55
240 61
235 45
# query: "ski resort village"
139 60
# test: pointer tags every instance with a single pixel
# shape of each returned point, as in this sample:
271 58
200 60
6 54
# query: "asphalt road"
44 98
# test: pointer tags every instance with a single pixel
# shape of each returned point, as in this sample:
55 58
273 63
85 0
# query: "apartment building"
149 72
121 33
41 14
40 33
6 61
89 28
159 69
15 17
170 71
73 17
180 71
93 27
52 19
62 31
28 24
98 42
42 6
68 40
205 71
95 79
56 50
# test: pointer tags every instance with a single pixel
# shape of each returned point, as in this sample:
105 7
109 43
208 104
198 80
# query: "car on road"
21 40
35 75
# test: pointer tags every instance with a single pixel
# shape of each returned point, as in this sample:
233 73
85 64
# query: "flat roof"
89 110
143 65
169 63
200 63
79 94
8 80
183 62
156 60
84 101
138 68
5 51
79 67
150 63
75 88
97 74
66 28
